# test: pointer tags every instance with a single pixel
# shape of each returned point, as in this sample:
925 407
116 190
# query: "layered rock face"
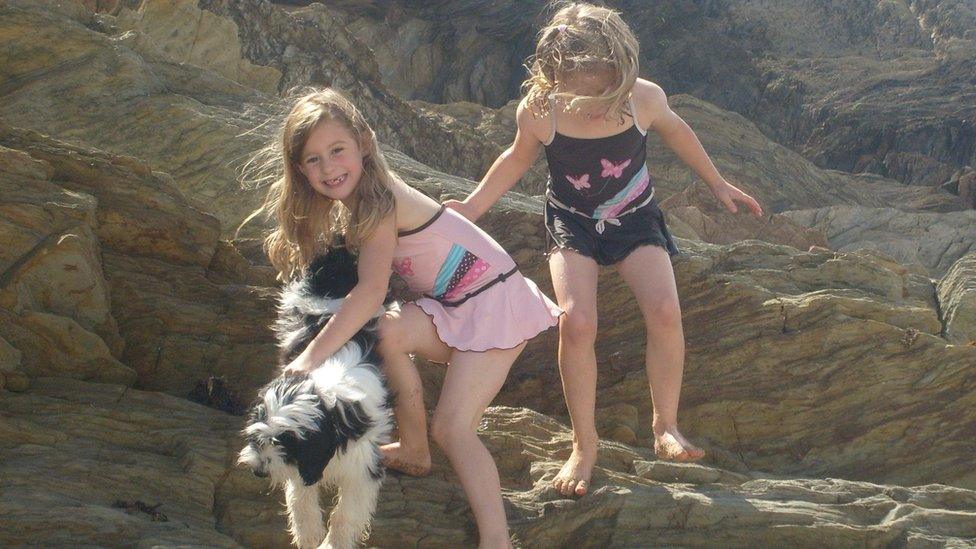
861 86
833 389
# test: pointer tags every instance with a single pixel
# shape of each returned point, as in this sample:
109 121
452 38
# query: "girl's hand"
300 365
462 208
728 194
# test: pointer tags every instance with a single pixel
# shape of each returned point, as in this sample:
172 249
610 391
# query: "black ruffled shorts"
573 231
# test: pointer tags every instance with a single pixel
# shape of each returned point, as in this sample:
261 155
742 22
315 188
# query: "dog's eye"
275 441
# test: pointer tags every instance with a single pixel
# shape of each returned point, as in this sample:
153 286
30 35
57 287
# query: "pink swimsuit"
473 291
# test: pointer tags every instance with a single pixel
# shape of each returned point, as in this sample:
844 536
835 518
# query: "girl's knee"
446 430
390 333
665 311
578 326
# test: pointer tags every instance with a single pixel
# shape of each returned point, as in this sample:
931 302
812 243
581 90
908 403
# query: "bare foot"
672 446
415 464
574 477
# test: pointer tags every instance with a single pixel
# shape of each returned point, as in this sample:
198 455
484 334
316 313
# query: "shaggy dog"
323 427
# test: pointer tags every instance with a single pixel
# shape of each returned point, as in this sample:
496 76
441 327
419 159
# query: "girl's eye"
337 151
311 159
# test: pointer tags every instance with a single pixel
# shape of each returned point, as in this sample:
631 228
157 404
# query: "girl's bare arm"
681 139
507 169
375 260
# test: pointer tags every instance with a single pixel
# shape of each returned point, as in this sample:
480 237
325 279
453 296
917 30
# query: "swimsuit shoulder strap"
633 115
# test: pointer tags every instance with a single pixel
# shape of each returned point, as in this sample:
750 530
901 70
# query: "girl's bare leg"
647 270
407 332
574 279
471 383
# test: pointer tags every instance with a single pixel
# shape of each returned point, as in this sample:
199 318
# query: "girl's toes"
582 488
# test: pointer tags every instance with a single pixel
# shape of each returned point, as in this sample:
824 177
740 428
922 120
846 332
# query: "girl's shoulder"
649 101
413 207
647 93
533 119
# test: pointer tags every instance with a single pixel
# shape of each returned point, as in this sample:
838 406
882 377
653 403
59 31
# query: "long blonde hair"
582 38
306 221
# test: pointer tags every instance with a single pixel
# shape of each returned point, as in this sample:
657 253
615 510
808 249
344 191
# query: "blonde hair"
582 38
307 221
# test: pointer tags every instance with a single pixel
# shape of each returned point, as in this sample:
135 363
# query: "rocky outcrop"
176 459
694 213
112 276
927 242
861 86
813 377
181 118
957 300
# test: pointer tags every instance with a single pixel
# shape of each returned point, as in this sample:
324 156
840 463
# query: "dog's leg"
304 513
358 490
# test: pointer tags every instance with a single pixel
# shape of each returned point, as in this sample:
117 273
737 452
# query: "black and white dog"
324 427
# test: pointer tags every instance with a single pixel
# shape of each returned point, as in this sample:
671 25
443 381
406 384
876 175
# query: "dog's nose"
260 473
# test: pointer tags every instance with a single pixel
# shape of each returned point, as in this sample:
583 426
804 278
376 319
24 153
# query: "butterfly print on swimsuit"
613 170
581 182
403 267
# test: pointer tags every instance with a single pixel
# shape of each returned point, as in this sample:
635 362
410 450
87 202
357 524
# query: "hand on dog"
301 365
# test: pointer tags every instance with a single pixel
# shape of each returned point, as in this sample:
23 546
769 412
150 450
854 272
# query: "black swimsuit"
600 200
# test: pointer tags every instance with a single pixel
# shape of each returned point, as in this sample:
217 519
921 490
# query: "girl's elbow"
518 158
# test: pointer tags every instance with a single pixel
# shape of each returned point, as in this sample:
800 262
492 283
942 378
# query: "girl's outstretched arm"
375 260
680 138
507 169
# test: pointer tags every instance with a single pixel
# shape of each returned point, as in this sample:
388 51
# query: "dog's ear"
312 453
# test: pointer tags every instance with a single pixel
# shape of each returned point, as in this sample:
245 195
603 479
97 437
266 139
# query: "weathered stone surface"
50 259
795 362
957 300
800 364
71 449
169 452
9 357
132 262
180 326
55 345
928 242
864 86
174 118
694 213
187 34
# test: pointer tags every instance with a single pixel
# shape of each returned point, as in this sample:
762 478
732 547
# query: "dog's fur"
324 427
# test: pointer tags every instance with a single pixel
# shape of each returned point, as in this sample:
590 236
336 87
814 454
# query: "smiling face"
332 160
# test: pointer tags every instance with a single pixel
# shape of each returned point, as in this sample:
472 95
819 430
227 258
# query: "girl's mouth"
336 181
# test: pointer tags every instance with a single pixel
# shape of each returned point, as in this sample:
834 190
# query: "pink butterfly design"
581 182
611 169
403 268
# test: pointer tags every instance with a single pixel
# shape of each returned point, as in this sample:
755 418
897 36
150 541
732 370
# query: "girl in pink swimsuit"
472 289
329 178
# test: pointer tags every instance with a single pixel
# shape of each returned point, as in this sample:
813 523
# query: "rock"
180 326
694 213
9 357
57 346
929 242
817 347
139 446
148 276
17 382
229 266
210 41
957 301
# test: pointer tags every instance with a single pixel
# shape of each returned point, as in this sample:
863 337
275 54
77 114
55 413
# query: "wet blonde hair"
306 221
582 38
